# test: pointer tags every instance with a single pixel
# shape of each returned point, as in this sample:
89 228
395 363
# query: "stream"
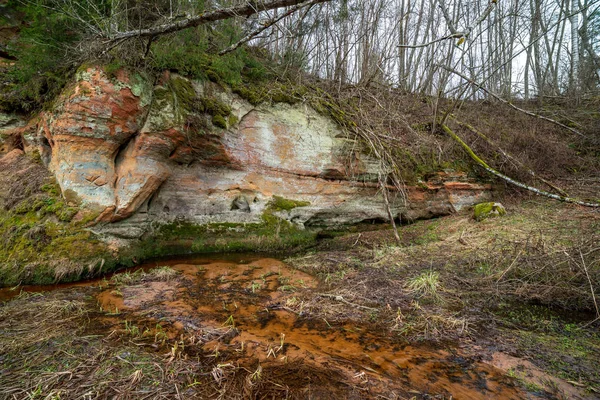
250 307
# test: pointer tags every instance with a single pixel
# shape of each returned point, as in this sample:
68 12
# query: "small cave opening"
374 221
240 203
120 151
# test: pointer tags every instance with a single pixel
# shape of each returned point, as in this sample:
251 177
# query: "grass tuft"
425 285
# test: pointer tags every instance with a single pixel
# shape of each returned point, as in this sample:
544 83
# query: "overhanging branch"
245 10
508 103
267 24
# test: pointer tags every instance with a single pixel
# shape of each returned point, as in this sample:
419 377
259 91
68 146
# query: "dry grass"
421 324
162 273
425 285
41 314
54 347
405 126
20 180
446 277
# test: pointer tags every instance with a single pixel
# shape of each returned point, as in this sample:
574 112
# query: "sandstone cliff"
177 150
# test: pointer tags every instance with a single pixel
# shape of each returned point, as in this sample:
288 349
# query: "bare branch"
500 175
245 10
454 34
507 155
267 24
479 86
457 35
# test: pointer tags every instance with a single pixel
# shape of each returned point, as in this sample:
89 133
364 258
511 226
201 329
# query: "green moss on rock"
183 91
271 235
282 204
219 121
251 93
41 243
488 210
232 120
214 106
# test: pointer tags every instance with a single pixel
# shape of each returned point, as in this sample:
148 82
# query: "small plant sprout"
291 302
281 341
425 285
287 288
254 286
160 335
256 375
242 346
216 353
176 350
116 312
230 322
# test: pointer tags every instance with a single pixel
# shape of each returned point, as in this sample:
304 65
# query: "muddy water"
253 309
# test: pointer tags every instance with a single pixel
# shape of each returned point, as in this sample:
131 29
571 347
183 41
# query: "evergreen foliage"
55 41
43 64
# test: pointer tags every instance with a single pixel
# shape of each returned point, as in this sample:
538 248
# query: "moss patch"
272 234
183 91
219 121
41 241
280 203
488 210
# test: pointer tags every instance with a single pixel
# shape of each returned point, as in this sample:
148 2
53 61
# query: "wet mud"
248 312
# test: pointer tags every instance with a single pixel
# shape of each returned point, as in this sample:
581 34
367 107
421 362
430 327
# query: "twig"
591 322
245 9
265 25
454 34
590 281
384 191
509 267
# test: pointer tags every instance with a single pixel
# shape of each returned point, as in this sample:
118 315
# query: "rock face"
191 151
82 136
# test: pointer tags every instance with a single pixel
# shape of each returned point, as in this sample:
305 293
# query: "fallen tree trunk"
500 175
508 156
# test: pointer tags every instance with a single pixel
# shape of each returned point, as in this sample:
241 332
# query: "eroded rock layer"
182 150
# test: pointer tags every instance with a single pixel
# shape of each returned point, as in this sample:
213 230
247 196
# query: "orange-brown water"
253 308
254 305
